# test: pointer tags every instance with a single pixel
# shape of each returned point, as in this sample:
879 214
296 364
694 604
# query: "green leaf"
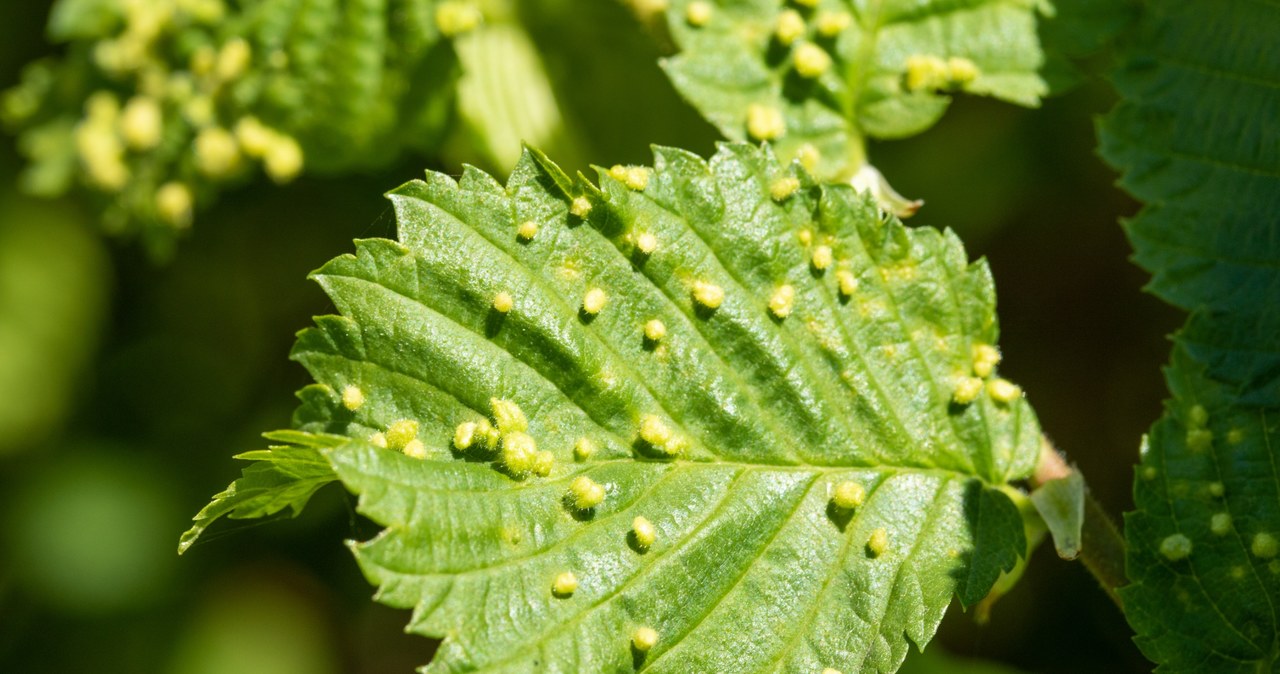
1060 503
284 476
742 56
815 493
1193 143
1194 140
1203 539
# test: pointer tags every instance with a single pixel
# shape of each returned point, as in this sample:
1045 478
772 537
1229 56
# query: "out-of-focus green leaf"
54 285
805 434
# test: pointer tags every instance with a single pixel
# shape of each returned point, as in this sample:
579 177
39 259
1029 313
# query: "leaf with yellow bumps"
1194 138
818 77
683 477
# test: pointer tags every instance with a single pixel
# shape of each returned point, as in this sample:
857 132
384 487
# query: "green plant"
730 413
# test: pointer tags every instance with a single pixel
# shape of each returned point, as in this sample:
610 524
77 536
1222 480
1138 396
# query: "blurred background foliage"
125 384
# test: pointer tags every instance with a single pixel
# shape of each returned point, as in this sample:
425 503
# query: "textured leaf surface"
753 565
737 59
1206 583
1197 138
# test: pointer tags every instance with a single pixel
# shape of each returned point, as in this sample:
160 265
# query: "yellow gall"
508 416
807 3
593 302
378 440
1175 547
455 17
565 584
830 670
961 70
414 449
655 431
585 493
967 390
985 359
1217 489
503 302
644 532
644 639
142 123
583 449
233 59
527 230
175 205
217 152
254 137
1004 391
543 463
1199 439
926 72
831 24
808 156
646 243
618 172
519 453
698 13
708 295
822 258
580 207
1197 416
1220 524
878 542
1264 546
636 178
765 122
352 397
783 187
1235 436
789 27
464 436
848 495
847 282
401 433
782 301
810 60
655 330
283 159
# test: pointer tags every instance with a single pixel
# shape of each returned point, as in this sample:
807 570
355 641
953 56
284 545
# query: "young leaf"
818 78
1194 141
1060 503
773 480
284 476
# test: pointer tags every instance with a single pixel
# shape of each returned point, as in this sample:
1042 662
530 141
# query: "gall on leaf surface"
817 79
728 435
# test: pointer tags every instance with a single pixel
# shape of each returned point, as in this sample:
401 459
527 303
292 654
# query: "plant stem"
1102 546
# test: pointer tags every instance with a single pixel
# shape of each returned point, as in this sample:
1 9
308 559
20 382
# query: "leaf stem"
1102 546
